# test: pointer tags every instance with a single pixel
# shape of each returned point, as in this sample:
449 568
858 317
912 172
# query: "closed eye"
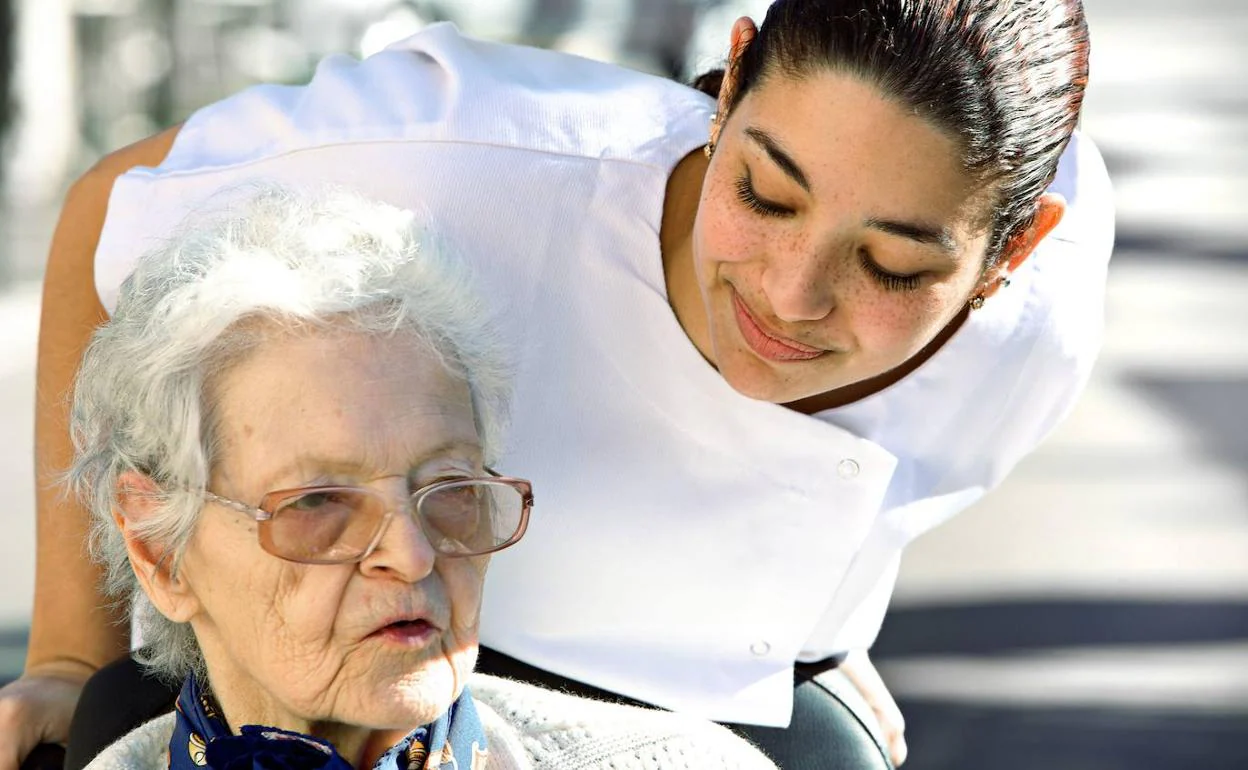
889 280
751 200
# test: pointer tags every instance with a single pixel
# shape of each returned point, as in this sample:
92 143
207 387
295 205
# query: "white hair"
144 400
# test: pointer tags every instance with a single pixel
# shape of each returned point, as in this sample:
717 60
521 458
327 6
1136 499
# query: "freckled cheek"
892 327
727 234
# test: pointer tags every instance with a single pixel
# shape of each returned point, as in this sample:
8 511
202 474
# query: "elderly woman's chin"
426 692
388 687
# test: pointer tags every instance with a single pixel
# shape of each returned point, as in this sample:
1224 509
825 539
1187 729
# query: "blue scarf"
201 738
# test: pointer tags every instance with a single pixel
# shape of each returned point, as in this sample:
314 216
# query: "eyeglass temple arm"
259 514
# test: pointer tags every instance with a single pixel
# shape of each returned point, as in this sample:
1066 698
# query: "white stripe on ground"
1197 678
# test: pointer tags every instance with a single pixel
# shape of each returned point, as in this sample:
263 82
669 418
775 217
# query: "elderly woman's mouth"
415 632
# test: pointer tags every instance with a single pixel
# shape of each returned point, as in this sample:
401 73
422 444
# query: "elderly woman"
284 435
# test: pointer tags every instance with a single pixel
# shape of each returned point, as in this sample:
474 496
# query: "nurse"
764 337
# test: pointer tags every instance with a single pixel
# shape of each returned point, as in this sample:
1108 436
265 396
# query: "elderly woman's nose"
404 550
800 285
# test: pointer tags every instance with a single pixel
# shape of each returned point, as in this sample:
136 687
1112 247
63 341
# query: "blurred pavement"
1093 612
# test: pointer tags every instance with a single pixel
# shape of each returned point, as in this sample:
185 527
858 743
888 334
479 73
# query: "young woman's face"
836 236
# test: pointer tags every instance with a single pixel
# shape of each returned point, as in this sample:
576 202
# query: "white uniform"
688 543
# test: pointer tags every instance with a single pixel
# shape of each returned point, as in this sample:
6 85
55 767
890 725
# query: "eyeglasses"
344 524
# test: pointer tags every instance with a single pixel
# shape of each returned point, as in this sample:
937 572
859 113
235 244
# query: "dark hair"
1004 77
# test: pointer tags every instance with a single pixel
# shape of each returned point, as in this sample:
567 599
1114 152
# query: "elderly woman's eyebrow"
779 156
367 468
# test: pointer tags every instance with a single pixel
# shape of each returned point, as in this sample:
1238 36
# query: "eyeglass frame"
261 515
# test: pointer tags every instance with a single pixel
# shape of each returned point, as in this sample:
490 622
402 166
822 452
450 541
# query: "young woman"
763 340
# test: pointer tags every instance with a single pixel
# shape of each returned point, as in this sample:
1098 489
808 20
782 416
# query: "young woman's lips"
768 345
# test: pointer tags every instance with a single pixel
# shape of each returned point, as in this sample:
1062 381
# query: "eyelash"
747 196
890 281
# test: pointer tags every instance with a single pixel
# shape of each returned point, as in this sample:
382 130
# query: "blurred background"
1090 614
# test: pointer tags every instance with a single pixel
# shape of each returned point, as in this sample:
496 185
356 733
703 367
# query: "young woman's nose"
800 286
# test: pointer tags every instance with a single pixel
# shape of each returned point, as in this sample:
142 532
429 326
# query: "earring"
1005 283
709 149
977 302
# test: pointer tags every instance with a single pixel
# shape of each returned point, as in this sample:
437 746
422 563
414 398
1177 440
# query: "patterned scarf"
201 738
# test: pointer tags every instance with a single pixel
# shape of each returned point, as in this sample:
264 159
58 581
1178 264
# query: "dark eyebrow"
779 156
920 233
924 234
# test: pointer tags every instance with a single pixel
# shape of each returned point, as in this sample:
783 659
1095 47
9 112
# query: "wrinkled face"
836 236
296 643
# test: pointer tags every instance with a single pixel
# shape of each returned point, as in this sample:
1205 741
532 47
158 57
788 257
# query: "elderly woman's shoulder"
543 728
146 746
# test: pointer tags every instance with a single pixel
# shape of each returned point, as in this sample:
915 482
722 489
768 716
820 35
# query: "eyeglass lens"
460 518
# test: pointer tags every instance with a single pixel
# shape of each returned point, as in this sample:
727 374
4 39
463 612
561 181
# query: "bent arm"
72 632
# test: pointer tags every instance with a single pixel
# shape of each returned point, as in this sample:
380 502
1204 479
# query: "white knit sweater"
529 728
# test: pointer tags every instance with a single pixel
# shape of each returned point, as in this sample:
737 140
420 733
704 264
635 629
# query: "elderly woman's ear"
138 500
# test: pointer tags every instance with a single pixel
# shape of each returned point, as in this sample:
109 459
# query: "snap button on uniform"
847 468
760 647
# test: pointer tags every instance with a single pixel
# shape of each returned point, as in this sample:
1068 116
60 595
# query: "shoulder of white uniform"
1083 181
143 748
1053 316
1039 339
438 85
1071 264
573 733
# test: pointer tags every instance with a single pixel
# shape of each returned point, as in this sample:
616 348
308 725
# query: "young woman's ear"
138 500
743 33
1049 212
